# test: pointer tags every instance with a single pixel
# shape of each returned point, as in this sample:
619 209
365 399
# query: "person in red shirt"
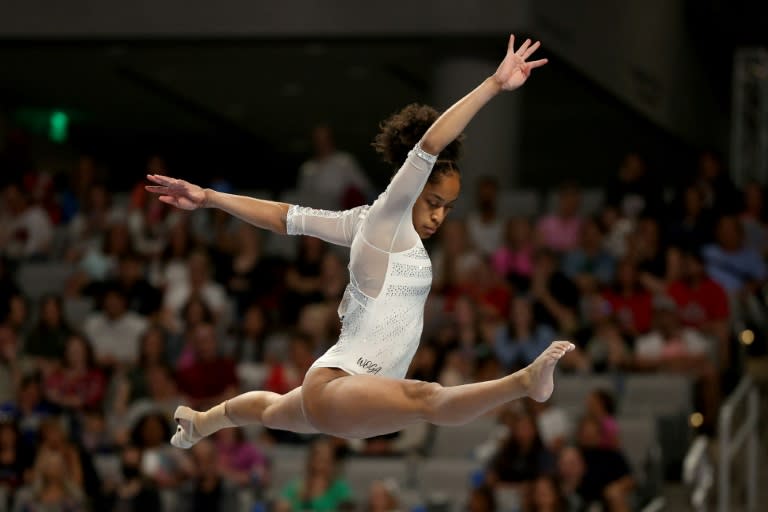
702 302
78 384
211 378
629 301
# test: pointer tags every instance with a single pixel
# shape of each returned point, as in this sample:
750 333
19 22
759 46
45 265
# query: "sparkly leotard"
382 311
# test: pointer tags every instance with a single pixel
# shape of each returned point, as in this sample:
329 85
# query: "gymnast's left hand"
515 69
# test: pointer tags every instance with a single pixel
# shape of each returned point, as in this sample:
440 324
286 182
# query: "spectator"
248 274
331 179
303 278
589 265
162 398
607 479
670 347
633 192
482 499
740 270
10 368
521 457
25 229
602 407
692 226
153 351
555 298
454 252
514 260
143 298
753 218
559 231
545 496
208 491
240 462
321 489
554 424
15 459
702 303
629 301
134 492
617 229
99 264
87 228
194 314
251 337
150 221
285 375
77 385
571 470
52 487
521 341
382 497
48 338
115 331
484 224
165 466
169 269
200 284
211 378
54 438
720 194
82 178
29 410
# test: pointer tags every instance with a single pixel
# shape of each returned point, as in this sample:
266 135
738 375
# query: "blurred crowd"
164 307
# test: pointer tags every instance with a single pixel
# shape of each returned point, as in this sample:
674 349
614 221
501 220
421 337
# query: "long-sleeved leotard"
390 274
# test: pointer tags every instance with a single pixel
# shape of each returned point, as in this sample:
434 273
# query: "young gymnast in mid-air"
357 388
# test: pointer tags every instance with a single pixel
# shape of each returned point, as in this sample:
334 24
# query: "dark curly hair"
399 133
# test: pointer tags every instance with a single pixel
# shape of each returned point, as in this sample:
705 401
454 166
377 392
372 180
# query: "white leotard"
390 274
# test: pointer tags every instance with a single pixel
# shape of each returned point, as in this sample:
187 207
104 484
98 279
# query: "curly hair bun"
399 133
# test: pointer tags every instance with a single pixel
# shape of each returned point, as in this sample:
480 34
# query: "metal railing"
733 438
699 473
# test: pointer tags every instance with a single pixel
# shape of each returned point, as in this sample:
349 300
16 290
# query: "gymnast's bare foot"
540 371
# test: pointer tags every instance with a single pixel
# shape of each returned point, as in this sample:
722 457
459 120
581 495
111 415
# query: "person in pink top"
560 230
514 260
602 407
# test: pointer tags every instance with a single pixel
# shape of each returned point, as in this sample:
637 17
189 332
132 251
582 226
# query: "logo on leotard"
369 366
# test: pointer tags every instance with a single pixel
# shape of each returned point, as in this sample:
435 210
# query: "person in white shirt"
331 179
198 283
115 331
484 224
26 230
357 388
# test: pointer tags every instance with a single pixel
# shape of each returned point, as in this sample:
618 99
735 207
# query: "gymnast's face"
435 202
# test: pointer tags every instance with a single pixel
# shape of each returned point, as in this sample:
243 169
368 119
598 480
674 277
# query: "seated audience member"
133 492
521 457
26 230
51 487
739 269
165 466
676 349
77 384
629 301
602 406
15 459
29 409
514 260
607 479
115 331
484 224
554 424
571 470
559 231
382 497
211 378
320 488
207 490
47 340
521 341
199 284
702 303
589 264
240 462
555 298
544 495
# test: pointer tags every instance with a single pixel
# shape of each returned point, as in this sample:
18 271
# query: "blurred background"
617 200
